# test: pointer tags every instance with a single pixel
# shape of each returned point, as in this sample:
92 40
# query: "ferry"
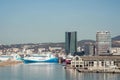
40 58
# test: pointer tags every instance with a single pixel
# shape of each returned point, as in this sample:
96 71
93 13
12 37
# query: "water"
48 71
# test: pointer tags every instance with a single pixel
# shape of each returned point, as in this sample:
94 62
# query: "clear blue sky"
37 21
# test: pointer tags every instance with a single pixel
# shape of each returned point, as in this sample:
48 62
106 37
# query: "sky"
39 21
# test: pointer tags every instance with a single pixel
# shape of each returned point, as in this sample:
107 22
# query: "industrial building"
97 63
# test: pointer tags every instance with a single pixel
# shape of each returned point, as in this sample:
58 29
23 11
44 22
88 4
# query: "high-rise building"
103 43
70 42
89 49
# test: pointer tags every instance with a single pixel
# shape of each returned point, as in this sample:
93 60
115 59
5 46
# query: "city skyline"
29 21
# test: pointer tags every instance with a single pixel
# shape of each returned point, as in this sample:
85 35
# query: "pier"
98 71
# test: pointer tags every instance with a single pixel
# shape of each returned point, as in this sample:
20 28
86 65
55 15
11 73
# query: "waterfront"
49 71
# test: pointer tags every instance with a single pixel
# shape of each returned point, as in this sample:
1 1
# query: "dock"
84 70
98 71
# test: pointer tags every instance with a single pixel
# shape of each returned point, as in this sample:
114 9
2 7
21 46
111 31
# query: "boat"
5 57
68 59
40 58
15 57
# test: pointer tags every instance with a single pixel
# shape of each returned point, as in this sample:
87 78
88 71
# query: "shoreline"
9 63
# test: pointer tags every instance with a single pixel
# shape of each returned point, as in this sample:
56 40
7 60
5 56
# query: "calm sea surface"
47 71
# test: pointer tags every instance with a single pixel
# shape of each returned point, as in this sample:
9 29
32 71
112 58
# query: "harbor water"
50 71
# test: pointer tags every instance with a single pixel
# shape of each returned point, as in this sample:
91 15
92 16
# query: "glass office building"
70 42
103 43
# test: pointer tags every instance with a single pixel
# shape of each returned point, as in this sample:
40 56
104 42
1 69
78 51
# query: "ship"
13 56
49 58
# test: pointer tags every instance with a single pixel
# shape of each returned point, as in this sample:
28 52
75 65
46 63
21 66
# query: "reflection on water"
33 72
49 71
74 75
71 74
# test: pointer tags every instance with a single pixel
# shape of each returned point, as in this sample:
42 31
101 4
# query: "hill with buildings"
116 41
81 43
85 42
116 38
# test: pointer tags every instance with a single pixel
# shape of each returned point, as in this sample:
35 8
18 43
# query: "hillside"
84 42
116 41
116 38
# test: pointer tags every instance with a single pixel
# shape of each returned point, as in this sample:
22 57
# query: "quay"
97 64
98 71
9 63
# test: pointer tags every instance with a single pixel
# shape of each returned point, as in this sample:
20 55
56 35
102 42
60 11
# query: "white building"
40 50
96 62
115 51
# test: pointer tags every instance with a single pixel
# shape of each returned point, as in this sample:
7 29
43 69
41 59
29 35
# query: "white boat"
40 58
5 57
11 57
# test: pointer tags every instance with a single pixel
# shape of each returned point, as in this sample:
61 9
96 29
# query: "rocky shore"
9 63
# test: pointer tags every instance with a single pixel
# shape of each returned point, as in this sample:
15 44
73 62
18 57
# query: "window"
77 58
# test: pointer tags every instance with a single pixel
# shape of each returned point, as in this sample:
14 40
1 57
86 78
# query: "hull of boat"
52 60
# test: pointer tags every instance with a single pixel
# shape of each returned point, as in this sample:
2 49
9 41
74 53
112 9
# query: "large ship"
41 58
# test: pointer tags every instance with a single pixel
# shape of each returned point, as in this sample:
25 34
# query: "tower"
103 43
70 42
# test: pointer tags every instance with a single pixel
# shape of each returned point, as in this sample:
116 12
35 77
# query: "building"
96 62
70 42
55 49
103 43
89 49
115 51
